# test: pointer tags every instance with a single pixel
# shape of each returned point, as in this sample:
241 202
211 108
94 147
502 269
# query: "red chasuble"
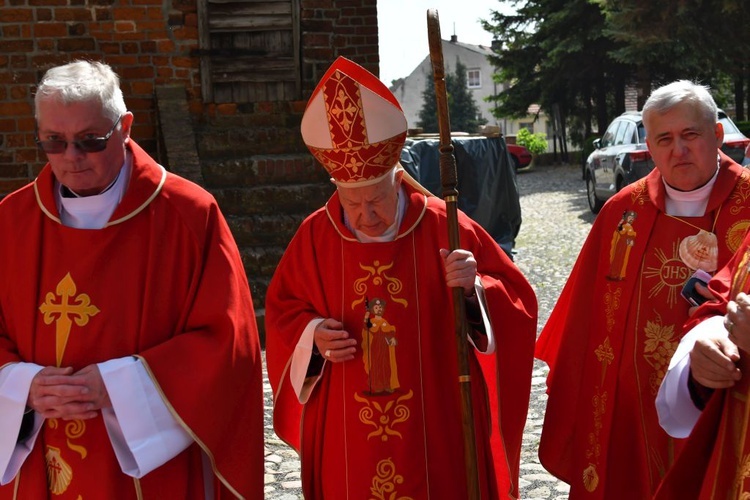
163 281
388 423
716 459
609 339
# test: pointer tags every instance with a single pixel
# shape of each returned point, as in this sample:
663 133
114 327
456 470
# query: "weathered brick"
43 15
49 30
103 14
76 44
12 171
143 88
11 31
19 92
11 15
8 46
46 44
130 13
77 29
15 108
124 26
73 14
19 61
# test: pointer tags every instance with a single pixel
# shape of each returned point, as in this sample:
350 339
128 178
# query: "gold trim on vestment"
187 429
15 485
145 203
117 221
42 207
138 490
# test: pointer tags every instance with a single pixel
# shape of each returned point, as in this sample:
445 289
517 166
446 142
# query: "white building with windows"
479 79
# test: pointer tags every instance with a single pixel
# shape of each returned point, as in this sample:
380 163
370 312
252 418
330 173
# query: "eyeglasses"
86 145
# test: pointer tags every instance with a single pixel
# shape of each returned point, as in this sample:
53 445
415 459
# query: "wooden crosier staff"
449 181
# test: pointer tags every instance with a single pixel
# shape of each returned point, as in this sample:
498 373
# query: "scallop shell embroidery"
59 473
700 251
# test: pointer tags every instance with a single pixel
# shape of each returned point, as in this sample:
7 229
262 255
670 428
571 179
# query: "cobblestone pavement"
556 220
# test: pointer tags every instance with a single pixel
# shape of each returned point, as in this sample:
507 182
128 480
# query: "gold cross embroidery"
69 304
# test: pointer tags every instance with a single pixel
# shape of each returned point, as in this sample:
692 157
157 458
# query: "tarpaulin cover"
487 189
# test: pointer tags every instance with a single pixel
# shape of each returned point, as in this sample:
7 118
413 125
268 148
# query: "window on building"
474 78
527 125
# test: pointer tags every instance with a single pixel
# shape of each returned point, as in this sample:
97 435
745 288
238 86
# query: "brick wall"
148 43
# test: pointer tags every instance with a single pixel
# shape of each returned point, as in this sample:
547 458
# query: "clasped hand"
460 269
61 393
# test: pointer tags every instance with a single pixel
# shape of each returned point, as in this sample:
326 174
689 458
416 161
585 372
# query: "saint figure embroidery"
623 241
379 349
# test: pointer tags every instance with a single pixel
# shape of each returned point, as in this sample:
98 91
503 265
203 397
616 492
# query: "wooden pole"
449 181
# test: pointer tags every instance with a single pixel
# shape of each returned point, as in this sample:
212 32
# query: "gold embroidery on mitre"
385 481
79 307
59 473
352 157
658 348
376 274
384 417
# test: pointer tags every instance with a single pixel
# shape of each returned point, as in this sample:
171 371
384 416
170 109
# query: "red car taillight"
640 156
742 143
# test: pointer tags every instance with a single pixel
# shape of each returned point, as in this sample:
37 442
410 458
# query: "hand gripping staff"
449 181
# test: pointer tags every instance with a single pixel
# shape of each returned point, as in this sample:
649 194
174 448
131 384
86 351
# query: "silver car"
619 158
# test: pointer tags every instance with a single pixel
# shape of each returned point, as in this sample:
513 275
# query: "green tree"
462 108
553 53
581 55
535 143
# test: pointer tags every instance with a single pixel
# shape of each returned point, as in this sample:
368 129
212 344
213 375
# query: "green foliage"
581 55
462 108
744 127
535 143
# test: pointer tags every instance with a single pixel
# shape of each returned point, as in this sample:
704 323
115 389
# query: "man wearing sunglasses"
129 354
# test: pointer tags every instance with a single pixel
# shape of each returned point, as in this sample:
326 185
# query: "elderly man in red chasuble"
619 318
130 364
360 324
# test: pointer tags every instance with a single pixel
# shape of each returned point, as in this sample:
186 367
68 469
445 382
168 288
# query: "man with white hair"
619 318
129 355
383 419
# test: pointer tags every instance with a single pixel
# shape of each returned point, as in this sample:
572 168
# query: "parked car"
619 158
735 141
519 155
746 159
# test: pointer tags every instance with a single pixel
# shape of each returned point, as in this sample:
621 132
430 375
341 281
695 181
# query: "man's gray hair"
665 98
83 81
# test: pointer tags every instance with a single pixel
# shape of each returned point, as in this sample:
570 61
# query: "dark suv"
619 158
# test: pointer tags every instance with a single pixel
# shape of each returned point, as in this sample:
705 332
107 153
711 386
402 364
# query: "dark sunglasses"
86 145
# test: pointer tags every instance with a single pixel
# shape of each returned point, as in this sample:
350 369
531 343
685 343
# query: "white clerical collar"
390 233
93 212
689 203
